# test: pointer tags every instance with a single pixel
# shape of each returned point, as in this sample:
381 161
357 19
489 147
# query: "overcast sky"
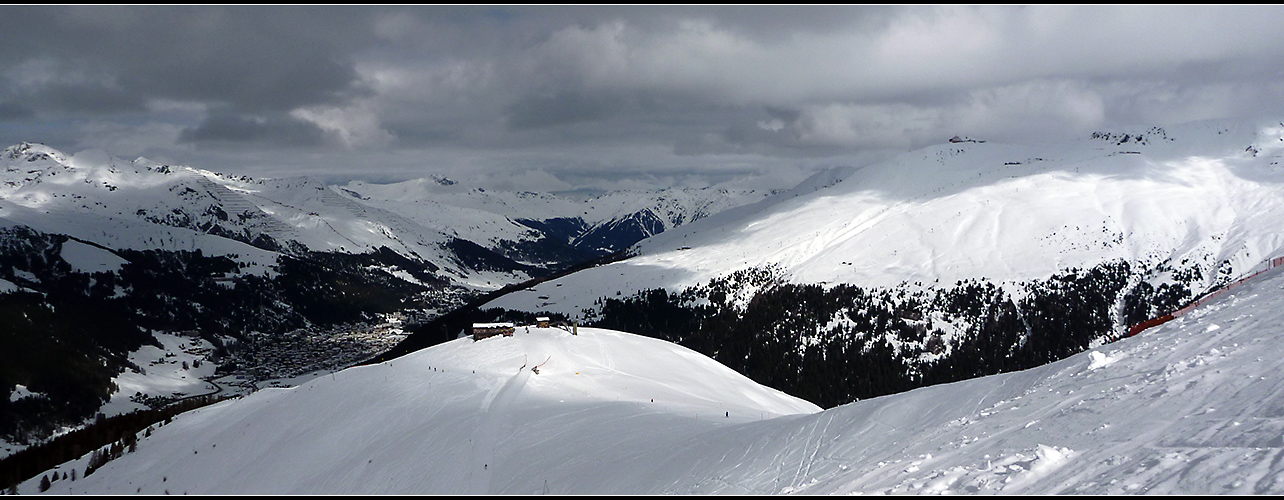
548 98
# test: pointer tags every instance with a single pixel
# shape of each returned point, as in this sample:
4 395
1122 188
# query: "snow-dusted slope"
1198 194
1189 407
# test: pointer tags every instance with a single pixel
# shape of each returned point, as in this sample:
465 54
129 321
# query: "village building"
486 330
542 321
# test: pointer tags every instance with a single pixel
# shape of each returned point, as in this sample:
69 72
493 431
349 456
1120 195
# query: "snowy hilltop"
1189 407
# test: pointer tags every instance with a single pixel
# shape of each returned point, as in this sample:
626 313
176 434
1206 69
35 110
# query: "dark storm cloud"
12 111
84 98
614 90
241 130
561 108
248 58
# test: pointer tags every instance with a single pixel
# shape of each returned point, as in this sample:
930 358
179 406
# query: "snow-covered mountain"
1190 407
595 221
143 204
1206 196
963 259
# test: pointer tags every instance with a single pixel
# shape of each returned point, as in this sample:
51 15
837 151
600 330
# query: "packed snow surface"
1193 406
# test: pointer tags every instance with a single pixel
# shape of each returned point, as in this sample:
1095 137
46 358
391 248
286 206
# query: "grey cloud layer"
610 91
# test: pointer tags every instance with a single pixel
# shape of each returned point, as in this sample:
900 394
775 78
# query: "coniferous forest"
832 345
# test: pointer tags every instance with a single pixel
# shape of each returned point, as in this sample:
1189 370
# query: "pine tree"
131 442
44 484
96 460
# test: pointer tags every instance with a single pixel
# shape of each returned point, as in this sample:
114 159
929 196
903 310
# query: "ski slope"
1190 407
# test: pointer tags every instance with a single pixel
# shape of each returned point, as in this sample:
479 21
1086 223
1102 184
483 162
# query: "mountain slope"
955 261
141 248
1189 407
1203 196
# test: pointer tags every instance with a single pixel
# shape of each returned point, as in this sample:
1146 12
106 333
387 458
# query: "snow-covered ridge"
1186 408
30 152
489 216
1205 195
143 204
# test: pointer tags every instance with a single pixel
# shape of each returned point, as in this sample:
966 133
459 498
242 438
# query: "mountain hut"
486 330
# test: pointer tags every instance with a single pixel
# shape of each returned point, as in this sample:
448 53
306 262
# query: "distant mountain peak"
32 151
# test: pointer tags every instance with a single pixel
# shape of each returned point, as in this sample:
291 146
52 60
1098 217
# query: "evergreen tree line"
106 439
834 345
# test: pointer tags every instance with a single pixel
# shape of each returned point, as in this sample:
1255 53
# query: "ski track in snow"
496 410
